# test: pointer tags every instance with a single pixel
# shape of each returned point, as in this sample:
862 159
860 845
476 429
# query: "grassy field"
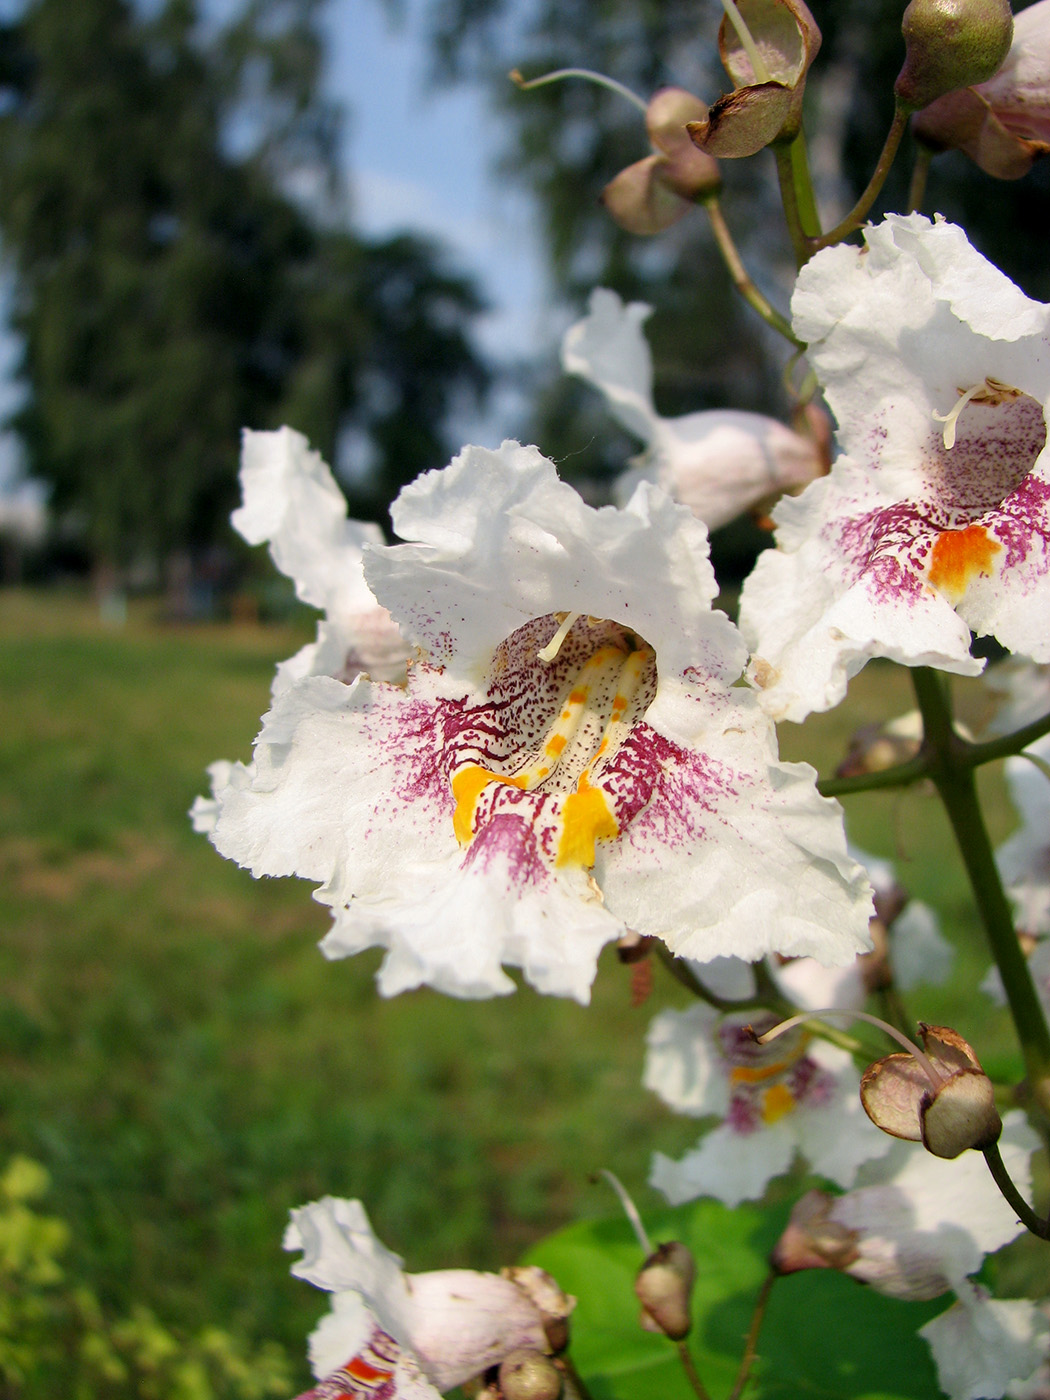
186 1065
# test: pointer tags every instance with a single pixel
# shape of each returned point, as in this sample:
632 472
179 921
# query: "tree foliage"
170 210
565 141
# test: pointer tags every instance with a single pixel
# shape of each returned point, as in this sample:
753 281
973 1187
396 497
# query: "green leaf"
824 1335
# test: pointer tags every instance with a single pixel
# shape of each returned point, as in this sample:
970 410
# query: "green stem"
741 279
803 182
1009 744
1013 1197
751 1345
954 779
920 173
856 215
588 74
900 775
789 196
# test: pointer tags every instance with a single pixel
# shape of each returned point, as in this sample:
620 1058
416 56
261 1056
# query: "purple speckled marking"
984 479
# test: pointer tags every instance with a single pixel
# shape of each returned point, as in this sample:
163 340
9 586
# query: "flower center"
988 391
565 692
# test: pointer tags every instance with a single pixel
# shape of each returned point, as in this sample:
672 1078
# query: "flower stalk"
955 784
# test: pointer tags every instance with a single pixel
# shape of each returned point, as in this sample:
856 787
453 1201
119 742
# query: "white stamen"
587 73
550 651
951 419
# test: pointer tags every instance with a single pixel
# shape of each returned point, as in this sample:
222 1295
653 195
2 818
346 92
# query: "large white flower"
570 757
415 1334
794 1095
936 518
719 463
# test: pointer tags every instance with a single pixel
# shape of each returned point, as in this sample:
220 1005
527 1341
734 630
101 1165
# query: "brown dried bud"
766 103
529 1375
655 192
948 1111
950 44
812 1240
553 1304
664 1284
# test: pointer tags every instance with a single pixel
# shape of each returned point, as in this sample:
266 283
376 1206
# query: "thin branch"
751 1345
858 213
692 1375
1017 1203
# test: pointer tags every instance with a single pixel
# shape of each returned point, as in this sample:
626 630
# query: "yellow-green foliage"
56 1339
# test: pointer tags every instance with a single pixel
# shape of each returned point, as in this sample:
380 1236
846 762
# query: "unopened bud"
664 1285
529 1375
942 1097
950 44
812 1240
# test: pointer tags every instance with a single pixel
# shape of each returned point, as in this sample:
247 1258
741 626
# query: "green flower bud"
950 44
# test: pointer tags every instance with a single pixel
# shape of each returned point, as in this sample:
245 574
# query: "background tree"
567 140
170 208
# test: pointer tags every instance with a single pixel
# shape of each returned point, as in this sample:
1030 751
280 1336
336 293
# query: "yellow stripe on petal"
467 786
586 818
777 1102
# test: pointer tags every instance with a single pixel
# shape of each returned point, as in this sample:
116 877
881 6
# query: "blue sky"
423 158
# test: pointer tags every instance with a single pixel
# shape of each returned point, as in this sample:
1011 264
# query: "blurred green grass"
186 1065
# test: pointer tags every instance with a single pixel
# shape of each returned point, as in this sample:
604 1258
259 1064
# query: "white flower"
795 1094
919 1232
936 518
292 502
719 463
421 1333
1021 691
1024 858
982 1344
570 759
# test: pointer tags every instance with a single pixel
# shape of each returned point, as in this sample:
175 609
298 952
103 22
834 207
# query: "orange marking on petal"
555 744
362 1371
578 696
960 555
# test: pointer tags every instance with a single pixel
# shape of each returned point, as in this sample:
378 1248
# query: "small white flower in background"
936 518
570 756
919 1231
292 502
795 1095
1038 953
1020 691
1024 858
718 463
418 1334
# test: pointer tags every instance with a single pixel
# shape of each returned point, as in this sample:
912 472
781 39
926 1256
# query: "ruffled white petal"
911 542
729 1166
981 1344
